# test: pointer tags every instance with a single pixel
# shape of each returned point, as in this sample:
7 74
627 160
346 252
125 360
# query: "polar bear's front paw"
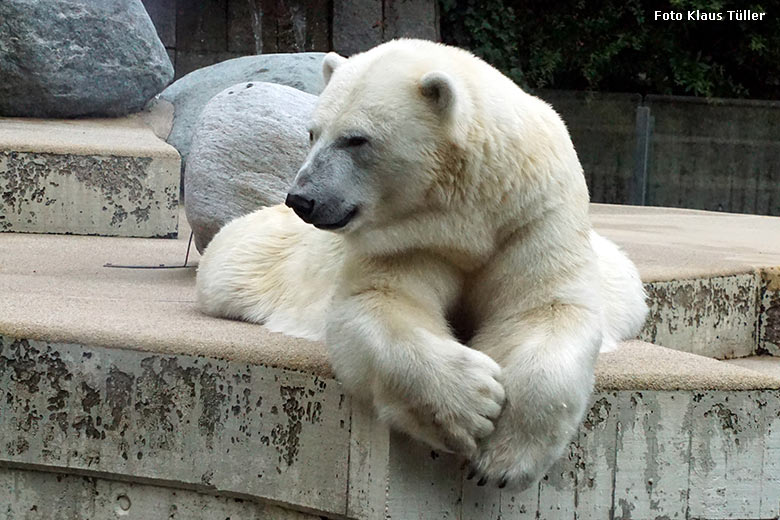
469 399
510 458
506 462
455 407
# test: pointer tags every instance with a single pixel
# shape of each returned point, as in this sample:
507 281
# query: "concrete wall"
720 155
716 317
160 436
30 495
198 33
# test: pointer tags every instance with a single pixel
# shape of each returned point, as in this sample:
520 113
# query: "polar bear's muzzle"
320 215
329 190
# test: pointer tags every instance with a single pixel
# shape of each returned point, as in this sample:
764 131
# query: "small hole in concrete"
122 504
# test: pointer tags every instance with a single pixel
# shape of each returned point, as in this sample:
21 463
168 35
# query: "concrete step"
111 378
713 279
691 438
110 177
769 365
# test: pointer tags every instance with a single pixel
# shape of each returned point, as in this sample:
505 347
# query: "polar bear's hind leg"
623 296
269 267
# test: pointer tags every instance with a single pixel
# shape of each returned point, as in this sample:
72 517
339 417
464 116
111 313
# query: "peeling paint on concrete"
653 455
88 194
727 448
28 494
596 463
196 421
714 317
769 318
639 455
266 434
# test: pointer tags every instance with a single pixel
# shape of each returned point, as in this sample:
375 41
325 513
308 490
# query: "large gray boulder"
250 141
70 58
190 94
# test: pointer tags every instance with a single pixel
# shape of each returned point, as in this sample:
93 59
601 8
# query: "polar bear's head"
384 138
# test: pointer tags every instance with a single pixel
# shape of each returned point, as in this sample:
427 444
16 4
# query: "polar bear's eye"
356 140
311 136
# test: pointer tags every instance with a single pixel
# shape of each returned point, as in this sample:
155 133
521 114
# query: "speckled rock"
190 94
249 143
70 58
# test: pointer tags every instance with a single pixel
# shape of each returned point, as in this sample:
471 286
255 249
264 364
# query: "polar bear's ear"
330 64
439 88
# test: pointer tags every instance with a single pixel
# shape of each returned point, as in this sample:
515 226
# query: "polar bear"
437 239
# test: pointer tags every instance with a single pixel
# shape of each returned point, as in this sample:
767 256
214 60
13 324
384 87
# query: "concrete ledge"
200 423
57 290
714 317
683 244
94 176
769 317
150 423
641 366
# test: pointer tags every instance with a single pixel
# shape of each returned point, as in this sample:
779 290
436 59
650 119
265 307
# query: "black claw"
502 484
482 481
471 475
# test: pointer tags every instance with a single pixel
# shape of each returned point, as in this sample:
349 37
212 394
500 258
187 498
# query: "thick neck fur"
505 165
486 195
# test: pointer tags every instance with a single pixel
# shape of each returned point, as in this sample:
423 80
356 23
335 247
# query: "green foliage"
617 45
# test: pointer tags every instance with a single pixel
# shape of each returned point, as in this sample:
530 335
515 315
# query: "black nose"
302 206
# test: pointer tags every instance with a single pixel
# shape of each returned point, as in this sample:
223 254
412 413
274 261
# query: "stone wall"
199 33
96 433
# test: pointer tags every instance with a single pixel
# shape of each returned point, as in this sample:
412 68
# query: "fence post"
637 192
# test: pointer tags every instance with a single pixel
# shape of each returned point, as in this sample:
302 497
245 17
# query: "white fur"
473 214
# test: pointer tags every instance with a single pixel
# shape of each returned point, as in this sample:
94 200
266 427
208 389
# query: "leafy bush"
616 45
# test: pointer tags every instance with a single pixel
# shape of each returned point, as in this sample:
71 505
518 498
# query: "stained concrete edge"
128 136
636 365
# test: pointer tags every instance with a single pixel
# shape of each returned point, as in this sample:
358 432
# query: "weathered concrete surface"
95 177
742 134
161 423
639 455
200 423
56 288
769 306
29 494
711 277
714 317
661 416
652 455
766 364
